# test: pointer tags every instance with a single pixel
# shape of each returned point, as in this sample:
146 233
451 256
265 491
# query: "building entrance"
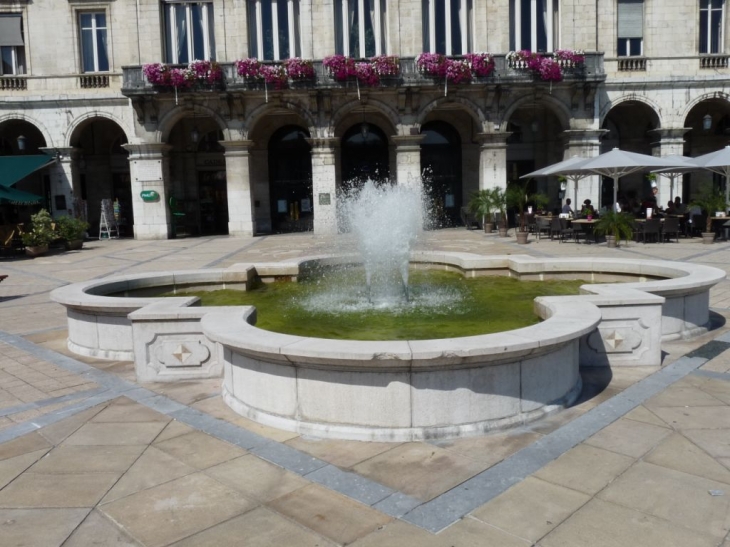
213 202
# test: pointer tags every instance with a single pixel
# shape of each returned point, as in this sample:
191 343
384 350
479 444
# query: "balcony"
135 84
13 83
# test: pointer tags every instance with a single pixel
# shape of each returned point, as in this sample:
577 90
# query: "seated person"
680 207
588 209
566 208
670 209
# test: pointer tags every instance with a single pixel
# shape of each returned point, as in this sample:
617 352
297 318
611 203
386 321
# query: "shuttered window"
12 46
631 18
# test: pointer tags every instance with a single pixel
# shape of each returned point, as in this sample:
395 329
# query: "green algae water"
441 305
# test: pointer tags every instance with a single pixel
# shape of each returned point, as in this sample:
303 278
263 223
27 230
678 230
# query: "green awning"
18 197
15 168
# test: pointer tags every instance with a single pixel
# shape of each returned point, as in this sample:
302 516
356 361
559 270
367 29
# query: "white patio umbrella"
619 163
673 173
565 169
717 162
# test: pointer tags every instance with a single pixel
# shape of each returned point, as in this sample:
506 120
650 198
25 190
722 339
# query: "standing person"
566 208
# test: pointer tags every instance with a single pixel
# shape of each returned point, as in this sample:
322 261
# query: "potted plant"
72 230
710 202
616 226
481 205
499 198
518 197
41 233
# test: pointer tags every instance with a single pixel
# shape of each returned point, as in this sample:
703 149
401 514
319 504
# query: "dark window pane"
198 36
703 32
441 26
456 28
526 26
7 59
283 14
268 33
369 32
717 4
715 31
87 50
101 50
85 20
100 19
542 44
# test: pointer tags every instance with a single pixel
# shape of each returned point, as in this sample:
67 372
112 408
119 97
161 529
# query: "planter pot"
36 250
73 245
708 238
503 232
611 241
522 237
487 227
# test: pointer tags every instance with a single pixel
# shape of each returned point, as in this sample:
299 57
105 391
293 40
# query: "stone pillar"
408 159
149 169
241 219
64 178
324 185
585 143
492 160
668 142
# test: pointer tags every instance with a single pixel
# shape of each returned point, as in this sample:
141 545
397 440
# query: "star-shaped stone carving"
182 353
614 339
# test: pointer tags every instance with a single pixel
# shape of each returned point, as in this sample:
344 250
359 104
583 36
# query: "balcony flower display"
299 69
570 57
197 71
274 75
549 68
249 68
386 65
366 74
206 71
457 71
481 64
340 67
433 64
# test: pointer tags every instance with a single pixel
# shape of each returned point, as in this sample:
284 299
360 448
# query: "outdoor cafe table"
725 229
588 226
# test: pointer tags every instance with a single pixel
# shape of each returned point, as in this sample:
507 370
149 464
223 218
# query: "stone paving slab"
146 485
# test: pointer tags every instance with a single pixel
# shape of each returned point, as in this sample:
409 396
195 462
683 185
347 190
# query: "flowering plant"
156 73
481 64
550 69
433 64
340 67
386 65
249 68
457 71
274 75
202 71
299 69
576 57
207 71
366 74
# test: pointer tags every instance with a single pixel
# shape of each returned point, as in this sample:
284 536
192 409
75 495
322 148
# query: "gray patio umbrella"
565 169
717 162
675 172
619 163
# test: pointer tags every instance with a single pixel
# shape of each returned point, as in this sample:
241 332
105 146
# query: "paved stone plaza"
90 457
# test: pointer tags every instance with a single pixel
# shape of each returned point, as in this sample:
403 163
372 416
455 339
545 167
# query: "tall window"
189 31
274 29
535 25
360 27
711 23
630 29
12 47
447 26
94 56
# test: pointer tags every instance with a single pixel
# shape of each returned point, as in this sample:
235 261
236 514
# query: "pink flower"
299 69
482 64
366 74
156 74
432 64
340 67
249 68
457 71
274 75
386 65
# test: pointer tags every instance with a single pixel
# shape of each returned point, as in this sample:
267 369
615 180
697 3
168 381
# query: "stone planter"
487 227
522 237
36 250
611 241
73 245
708 238
502 232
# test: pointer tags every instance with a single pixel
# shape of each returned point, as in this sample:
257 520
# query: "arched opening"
364 155
199 192
710 130
629 126
441 165
290 180
102 172
37 183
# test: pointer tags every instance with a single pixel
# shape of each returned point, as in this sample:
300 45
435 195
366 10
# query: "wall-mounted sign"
149 195
324 199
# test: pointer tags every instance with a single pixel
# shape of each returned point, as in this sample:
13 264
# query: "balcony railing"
134 82
631 64
12 83
91 81
714 61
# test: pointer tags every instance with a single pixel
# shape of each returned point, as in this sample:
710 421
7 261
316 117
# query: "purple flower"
386 65
433 64
340 67
457 71
249 68
299 69
156 74
366 74
481 64
274 75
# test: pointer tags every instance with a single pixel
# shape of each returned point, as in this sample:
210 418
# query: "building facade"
244 154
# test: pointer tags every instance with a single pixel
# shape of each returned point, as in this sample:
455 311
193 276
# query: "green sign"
149 195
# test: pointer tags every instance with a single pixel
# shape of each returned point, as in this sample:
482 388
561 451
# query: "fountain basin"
395 391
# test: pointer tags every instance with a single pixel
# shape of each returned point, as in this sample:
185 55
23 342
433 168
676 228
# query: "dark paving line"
711 349
51 401
20 271
255 241
451 506
725 376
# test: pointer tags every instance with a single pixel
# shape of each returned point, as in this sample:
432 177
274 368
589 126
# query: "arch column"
149 169
64 179
324 185
585 143
241 219
667 142
492 159
408 159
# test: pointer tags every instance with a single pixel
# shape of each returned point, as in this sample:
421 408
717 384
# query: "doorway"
213 202
290 180
441 163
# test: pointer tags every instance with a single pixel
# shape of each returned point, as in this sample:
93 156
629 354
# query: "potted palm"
518 197
616 226
72 230
41 233
481 205
710 202
499 198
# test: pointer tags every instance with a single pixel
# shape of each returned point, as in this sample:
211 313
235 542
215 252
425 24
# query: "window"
711 23
630 28
94 56
535 25
12 47
447 26
274 29
359 27
189 32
